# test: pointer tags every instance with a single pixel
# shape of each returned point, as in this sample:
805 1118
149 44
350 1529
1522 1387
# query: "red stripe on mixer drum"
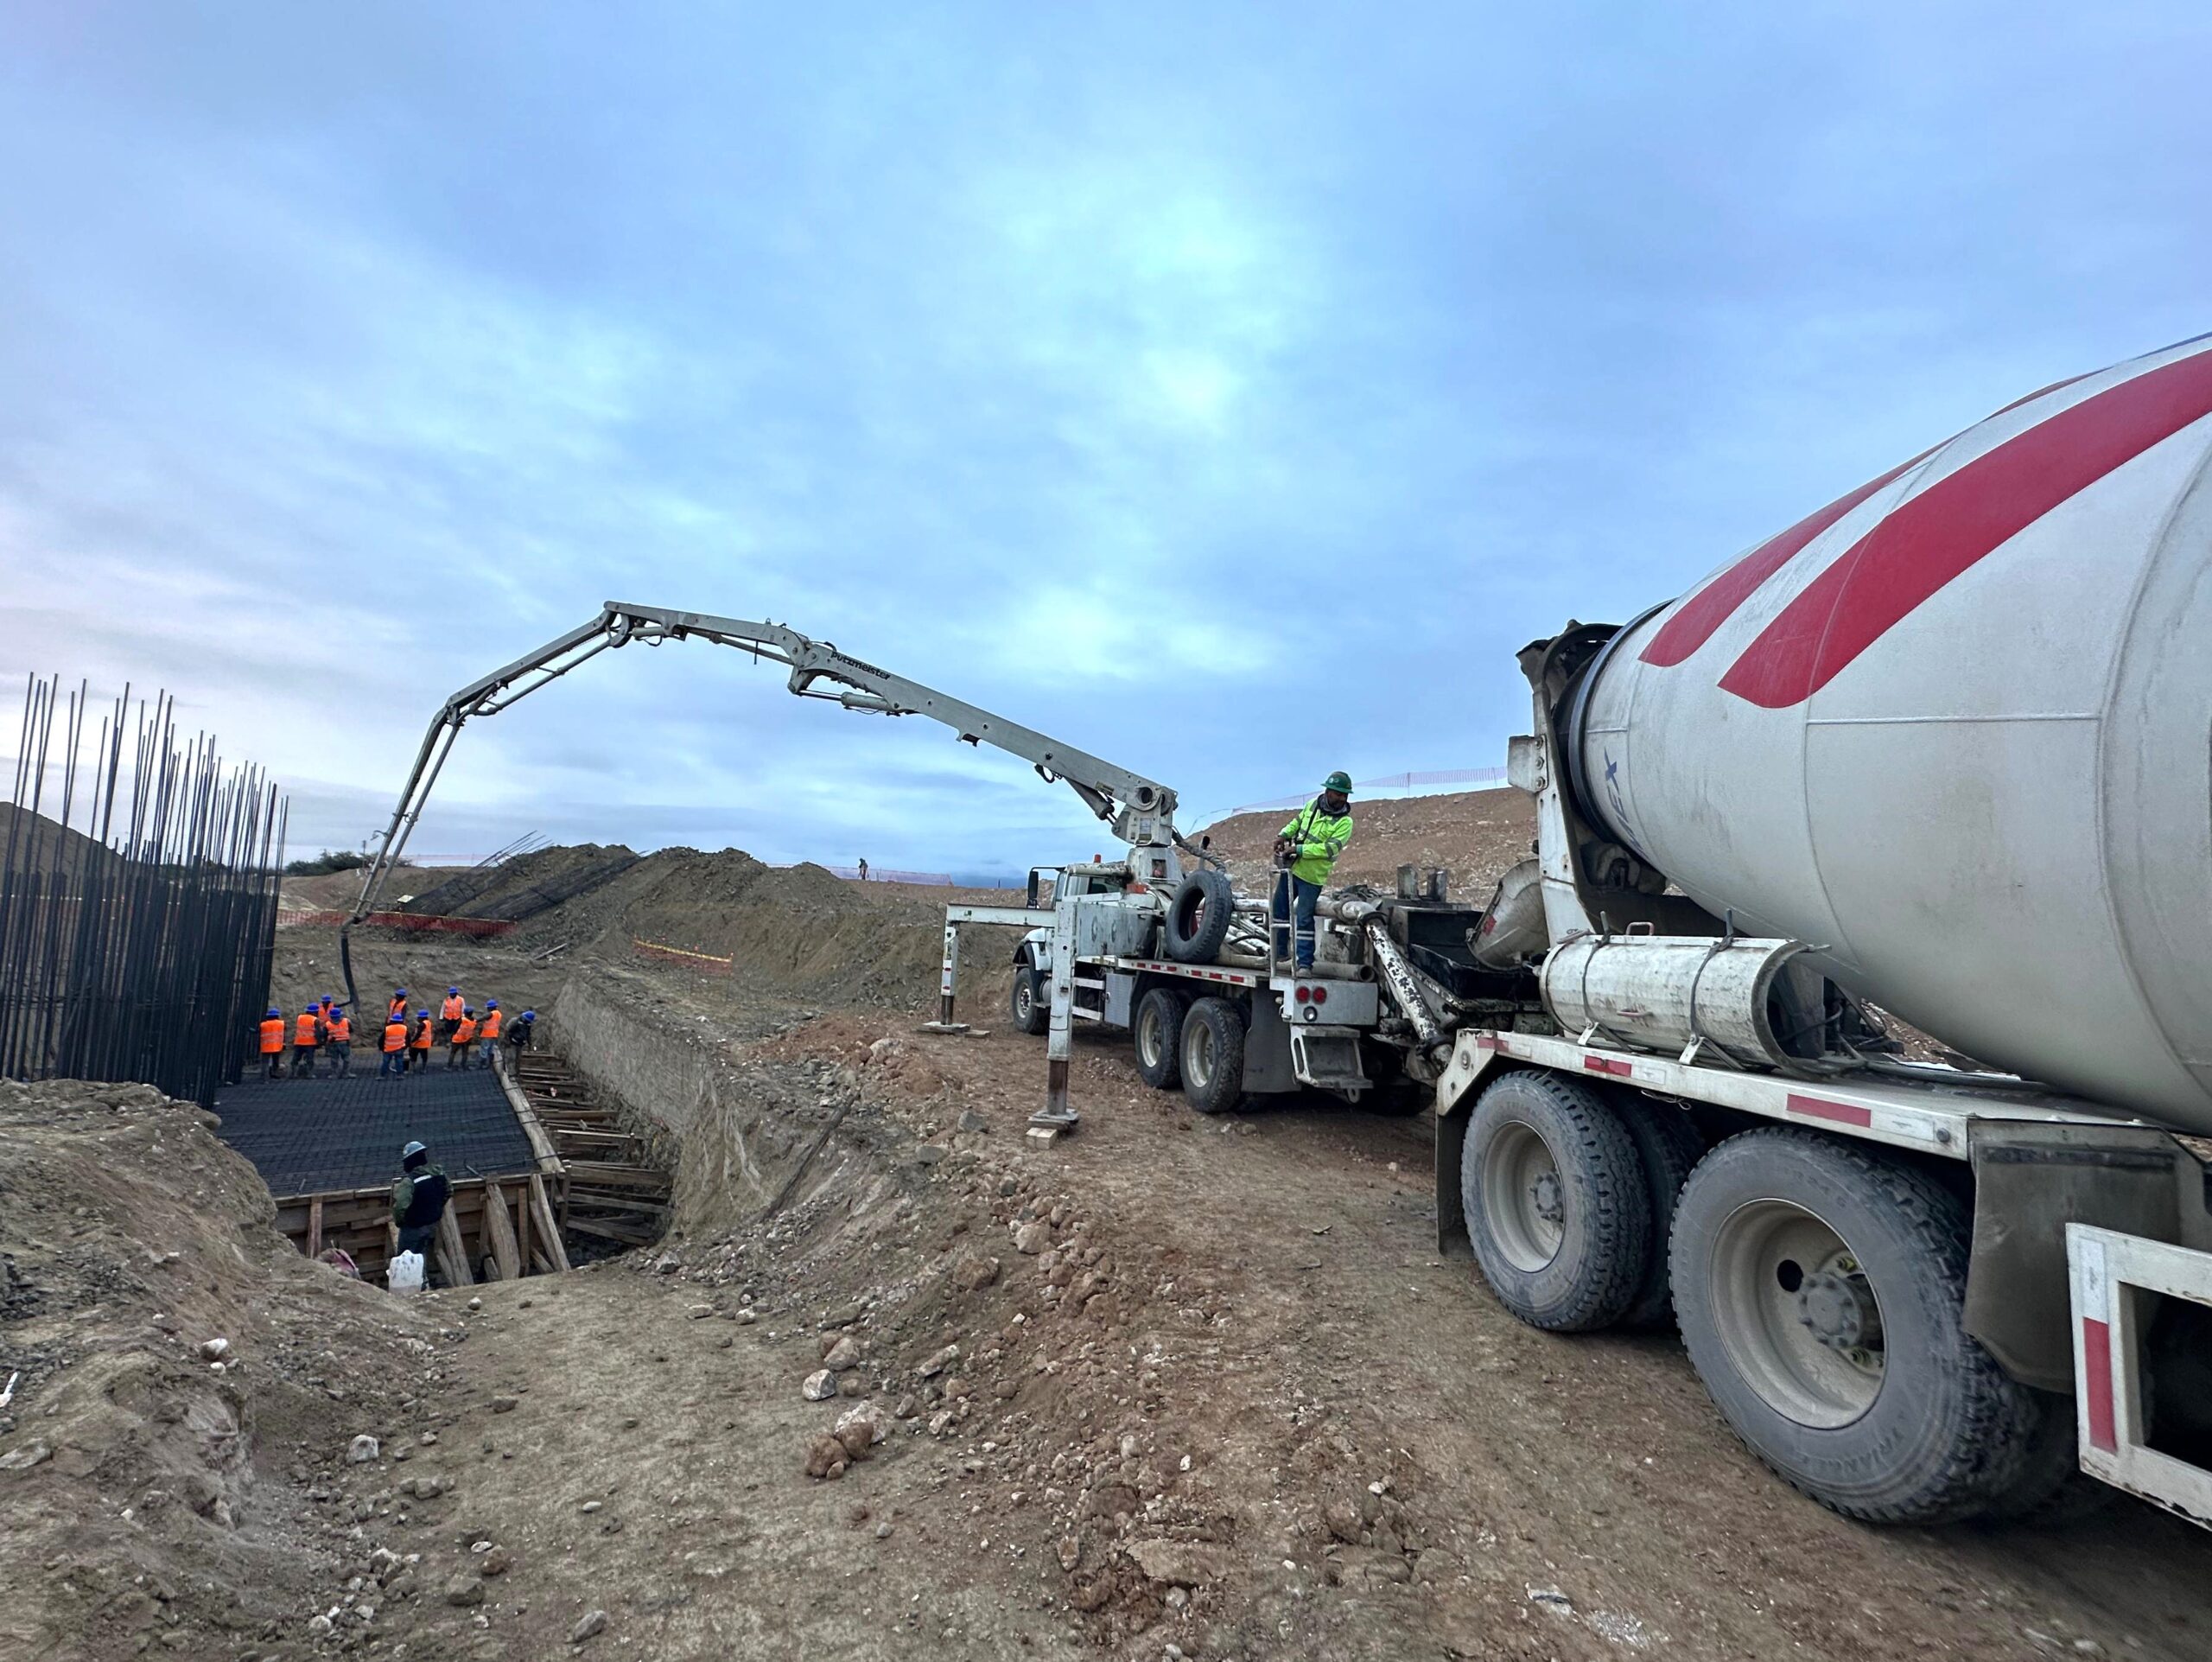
1696 620
1929 541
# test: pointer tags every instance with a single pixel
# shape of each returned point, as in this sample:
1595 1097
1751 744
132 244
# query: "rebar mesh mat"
307 1137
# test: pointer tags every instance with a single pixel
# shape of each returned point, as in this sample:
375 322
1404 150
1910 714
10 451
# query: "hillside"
1474 835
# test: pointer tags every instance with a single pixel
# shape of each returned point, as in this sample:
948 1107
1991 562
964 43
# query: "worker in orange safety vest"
488 1030
338 1039
272 1041
419 1046
449 1014
464 1034
395 1048
306 1037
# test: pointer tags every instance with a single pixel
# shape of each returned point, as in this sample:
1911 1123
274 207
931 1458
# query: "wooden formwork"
494 1228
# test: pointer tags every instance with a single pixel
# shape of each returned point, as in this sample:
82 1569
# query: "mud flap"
2032 1180
1451 1214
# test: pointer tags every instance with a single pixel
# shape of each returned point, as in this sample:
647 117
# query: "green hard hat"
1339 780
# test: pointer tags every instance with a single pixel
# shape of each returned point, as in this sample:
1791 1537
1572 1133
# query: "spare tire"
1198 917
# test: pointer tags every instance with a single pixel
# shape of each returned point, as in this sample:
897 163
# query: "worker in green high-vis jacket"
1308 848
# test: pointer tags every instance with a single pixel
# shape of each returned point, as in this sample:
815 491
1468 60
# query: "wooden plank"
610 1232
549 1231
315 1227
499 1231
608 1175
452 1252
541 1144
540 1263
522 1226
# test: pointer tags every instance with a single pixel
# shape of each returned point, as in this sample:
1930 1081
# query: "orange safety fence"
704 963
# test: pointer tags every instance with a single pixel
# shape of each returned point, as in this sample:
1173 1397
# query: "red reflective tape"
1696 618
1484 1041
2096 1357
1605 1065
1842 1112
1924 543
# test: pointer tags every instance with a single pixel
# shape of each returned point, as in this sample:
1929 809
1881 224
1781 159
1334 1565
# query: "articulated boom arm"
1142 810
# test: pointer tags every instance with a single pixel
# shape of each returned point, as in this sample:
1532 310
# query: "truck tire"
1211 1055
1157 1032
1821 1289
1198 917
1556 1203
2051 1489
1029 1004
1668 1146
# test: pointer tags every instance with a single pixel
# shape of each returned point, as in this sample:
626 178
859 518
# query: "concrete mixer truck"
1942 749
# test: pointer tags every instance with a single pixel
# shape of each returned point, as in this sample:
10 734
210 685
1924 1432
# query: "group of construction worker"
324 1027
459 1027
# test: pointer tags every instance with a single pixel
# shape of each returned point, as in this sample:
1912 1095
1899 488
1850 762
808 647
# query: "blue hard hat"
491 1003
423 1014
453 992
529 1015
411 1150
275 1015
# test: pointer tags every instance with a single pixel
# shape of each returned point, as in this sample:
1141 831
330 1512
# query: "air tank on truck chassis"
1954 731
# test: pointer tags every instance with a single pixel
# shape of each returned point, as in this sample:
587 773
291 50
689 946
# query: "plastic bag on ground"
405 1273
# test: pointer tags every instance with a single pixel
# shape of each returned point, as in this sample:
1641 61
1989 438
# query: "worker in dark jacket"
419 1201
520 1035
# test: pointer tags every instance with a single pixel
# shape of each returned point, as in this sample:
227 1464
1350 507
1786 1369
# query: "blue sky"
1229 389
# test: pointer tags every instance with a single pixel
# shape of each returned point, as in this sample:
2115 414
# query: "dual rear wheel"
1820 1289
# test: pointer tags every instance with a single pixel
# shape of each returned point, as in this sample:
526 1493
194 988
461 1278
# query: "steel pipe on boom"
1141 811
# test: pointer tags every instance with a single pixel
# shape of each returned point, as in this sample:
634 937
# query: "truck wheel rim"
1198 1055
1150 1039
1796 1314
1025 999
1522 1198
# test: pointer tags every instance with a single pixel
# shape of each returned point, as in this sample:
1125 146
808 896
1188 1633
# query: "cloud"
1227 391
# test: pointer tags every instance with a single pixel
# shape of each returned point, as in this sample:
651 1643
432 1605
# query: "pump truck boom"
1139 811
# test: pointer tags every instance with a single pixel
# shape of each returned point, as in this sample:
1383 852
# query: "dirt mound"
523 887
44 844
1474 835
798 930
176 1357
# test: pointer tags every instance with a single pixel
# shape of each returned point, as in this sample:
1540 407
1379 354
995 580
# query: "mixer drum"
1955 731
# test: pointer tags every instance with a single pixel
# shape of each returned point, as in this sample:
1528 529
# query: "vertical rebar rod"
139 947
